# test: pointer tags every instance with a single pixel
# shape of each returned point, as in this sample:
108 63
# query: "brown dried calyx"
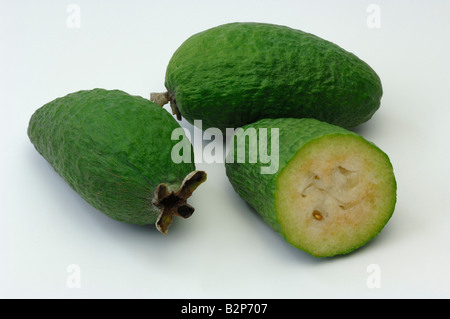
174 203
162 99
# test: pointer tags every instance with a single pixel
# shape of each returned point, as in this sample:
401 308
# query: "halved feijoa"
333 191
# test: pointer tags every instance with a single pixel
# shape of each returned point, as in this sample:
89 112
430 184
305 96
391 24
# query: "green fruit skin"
238 73
112 148
257 189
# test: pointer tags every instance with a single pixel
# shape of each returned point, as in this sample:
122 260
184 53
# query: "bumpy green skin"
238 73
112 148
259 189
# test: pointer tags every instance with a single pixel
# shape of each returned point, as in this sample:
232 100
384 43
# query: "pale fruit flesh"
335 195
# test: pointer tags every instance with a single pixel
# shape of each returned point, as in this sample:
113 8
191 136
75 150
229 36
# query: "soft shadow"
365 129
81 211
277 243
297 255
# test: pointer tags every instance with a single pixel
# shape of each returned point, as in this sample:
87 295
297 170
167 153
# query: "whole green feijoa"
114 150
324 189
238 73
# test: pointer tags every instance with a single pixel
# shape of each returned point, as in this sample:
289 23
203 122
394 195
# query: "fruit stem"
162 99
174 203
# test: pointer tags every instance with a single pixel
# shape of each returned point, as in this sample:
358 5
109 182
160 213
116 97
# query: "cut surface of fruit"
335 195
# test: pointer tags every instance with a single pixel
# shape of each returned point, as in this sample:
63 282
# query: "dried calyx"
174 203
162 99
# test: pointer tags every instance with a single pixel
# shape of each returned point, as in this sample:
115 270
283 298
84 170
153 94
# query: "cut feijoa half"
333 191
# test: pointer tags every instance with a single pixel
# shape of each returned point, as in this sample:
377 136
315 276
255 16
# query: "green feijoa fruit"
333 190
238 73
114 150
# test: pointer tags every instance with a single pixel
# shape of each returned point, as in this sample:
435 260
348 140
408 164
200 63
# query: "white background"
224 250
